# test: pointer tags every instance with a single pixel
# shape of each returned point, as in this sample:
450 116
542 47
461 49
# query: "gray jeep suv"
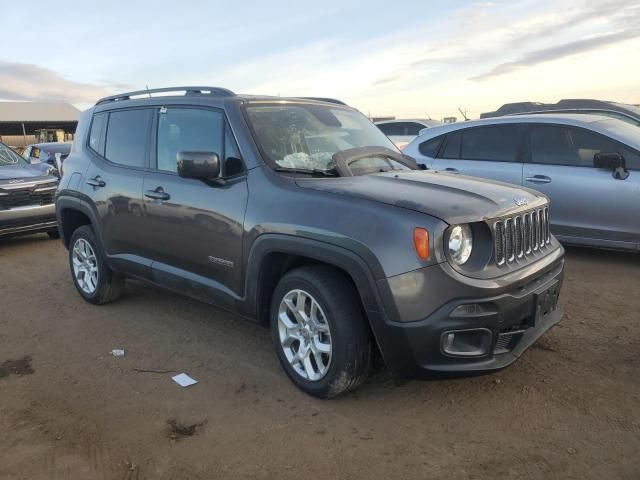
300 214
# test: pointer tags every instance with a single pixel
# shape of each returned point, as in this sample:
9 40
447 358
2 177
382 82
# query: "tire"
53 234
338 308
107 285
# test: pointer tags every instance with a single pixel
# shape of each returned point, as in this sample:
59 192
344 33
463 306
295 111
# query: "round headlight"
460 243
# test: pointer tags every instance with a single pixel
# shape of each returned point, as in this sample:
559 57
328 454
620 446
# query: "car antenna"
464 114
148 91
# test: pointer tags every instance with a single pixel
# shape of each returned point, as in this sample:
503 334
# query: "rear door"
194 229
119 143
493 151
588 205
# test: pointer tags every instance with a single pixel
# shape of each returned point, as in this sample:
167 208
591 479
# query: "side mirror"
610 161
201 165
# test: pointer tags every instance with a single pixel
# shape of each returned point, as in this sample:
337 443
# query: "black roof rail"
215 91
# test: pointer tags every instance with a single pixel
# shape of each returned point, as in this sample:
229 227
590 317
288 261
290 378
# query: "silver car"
588 165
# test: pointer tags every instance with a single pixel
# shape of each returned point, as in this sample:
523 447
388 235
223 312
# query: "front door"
492 151
194 229
588 205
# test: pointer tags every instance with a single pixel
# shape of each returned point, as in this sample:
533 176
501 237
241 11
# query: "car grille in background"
27 197
522 235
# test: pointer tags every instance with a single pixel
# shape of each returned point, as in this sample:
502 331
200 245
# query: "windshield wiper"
309 171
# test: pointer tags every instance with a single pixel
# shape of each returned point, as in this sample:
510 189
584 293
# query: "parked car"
621 111
302 215
52 154
26 197
401 132
589 166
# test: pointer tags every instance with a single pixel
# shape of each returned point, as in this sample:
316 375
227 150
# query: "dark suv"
301 214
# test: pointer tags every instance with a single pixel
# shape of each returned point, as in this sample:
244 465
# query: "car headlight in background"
460 243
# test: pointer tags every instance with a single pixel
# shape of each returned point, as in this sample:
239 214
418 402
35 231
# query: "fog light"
467 343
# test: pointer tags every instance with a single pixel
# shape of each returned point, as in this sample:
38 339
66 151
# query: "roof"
614 128
38 112
565 104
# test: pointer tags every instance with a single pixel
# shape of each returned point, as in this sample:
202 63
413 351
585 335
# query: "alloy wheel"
305 336
85 266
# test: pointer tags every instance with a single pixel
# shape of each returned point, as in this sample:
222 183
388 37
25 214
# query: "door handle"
96 182
452 170
157 194
538 179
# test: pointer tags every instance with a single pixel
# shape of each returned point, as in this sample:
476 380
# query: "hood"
10 172
449 197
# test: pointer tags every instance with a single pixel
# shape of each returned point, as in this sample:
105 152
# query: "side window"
127 133
495 143
27 153
414 128
96 135
552 145
452 146
558 145
430 147
184 129
588 144
386 128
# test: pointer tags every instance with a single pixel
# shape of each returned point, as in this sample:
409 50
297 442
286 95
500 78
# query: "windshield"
305 137
625 132
9 157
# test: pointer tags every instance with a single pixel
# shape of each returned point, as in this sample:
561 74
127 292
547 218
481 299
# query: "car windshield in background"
305 137
9 157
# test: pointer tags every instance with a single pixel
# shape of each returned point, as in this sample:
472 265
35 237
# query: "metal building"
23 123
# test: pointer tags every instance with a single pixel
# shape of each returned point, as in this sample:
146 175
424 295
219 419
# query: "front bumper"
31 219
510 316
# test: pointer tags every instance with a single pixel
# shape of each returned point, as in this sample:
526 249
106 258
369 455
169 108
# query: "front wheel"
93 278
320 332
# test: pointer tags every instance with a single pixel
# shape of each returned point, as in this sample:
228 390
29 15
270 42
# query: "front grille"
522 235
26 197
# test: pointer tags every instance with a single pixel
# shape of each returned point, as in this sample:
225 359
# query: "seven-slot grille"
24 197
522 235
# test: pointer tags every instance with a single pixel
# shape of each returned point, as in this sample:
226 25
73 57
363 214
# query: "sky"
409 59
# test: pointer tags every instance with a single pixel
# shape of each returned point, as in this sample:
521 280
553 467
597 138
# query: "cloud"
489 33
557 52
23 81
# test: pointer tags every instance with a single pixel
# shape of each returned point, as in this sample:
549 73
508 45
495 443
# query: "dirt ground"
569 408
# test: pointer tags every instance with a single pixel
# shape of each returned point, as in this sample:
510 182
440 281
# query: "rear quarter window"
430 148
96 134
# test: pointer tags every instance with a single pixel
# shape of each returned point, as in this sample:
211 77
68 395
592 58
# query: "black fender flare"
66 202
328 253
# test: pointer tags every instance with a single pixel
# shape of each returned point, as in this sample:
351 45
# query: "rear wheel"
319 331
93 278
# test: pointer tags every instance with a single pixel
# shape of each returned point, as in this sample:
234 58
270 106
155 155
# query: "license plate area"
546 301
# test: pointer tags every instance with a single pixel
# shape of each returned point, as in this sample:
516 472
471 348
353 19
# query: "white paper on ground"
184 380
117 353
